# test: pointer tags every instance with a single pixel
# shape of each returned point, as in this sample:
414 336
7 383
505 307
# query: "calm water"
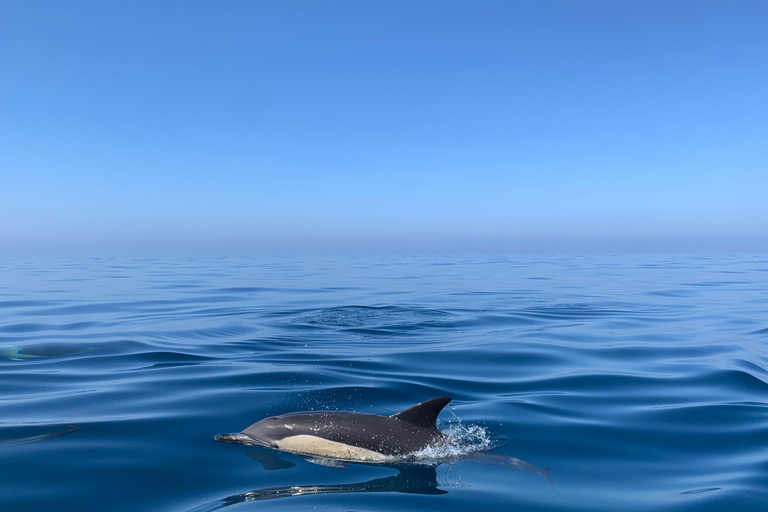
640 380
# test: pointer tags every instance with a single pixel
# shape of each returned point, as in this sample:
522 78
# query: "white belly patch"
312 445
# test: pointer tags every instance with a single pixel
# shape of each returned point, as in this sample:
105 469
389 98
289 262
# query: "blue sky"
246 127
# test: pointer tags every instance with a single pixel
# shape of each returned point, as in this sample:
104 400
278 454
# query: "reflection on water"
413 479
269 461
410 478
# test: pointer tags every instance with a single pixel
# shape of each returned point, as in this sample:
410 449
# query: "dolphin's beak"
241 439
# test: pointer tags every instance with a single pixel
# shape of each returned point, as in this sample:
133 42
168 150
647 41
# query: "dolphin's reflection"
269 461
410 478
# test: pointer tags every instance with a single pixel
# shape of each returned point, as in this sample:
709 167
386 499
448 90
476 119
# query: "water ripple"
640 379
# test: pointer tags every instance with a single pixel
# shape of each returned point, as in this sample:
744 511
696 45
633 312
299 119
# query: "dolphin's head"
266 432
269 431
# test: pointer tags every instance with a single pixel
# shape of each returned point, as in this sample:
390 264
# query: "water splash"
459 441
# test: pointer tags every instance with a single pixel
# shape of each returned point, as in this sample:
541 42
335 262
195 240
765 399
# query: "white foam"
459 441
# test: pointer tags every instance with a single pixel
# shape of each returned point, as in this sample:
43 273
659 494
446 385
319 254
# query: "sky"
281 127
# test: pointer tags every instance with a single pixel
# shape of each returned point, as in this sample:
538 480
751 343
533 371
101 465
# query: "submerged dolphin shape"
31 439
350 436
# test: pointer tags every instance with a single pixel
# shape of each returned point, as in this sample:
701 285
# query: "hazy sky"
248 127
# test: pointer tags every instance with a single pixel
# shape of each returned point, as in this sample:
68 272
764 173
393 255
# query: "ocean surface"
640 380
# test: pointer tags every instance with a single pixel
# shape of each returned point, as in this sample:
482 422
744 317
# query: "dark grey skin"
406 432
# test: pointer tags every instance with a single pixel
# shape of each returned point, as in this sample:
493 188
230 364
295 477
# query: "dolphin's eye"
275 418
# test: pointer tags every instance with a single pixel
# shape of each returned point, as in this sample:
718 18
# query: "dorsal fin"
424 414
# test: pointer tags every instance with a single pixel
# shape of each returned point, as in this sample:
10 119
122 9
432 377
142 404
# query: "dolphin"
348 436
15 354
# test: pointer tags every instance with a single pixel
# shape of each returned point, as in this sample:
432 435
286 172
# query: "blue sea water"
639 379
